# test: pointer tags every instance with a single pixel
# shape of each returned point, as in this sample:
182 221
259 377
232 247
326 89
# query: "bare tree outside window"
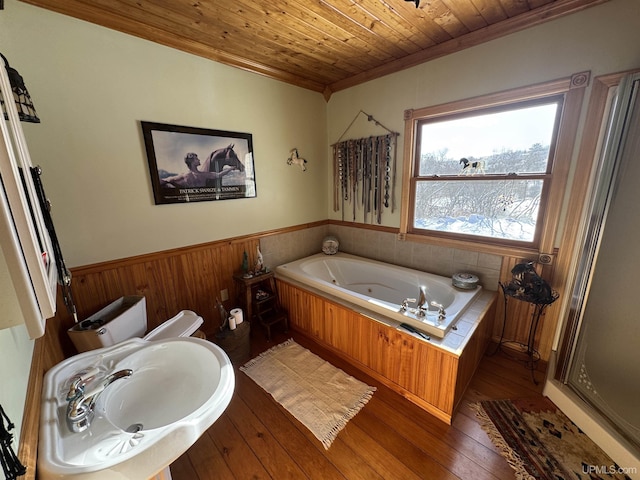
485 173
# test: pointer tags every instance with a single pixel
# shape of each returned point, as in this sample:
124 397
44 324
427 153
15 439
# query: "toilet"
127 318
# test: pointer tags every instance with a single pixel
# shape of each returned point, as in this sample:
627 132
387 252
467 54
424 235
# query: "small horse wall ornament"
471 168
294 159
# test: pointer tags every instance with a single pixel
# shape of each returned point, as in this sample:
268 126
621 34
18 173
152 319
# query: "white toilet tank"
123 319
127 318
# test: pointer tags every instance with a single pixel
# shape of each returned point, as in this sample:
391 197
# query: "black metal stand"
532 355
10 463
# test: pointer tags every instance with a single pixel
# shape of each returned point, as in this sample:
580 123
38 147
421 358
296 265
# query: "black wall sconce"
26 110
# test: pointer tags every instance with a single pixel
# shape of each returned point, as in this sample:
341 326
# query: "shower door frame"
610 96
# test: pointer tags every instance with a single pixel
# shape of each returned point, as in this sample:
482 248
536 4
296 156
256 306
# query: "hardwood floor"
390 438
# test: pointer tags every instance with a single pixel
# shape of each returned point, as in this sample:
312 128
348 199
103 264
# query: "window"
481 170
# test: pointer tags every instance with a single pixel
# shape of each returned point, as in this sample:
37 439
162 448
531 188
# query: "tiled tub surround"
385 247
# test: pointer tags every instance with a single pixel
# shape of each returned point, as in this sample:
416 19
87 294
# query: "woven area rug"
321 396
541 443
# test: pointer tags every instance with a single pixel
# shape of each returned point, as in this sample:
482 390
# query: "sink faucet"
80 407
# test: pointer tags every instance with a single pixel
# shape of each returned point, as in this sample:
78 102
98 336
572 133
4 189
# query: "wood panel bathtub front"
430 376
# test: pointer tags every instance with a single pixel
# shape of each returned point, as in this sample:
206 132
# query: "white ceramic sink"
142 423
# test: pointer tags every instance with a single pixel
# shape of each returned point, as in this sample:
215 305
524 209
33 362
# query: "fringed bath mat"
319 395
541 443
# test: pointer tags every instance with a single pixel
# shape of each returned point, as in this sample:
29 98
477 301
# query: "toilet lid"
182 325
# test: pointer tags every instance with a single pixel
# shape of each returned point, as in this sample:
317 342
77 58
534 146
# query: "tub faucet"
80 406
422 300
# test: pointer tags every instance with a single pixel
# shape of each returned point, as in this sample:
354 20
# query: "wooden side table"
259 298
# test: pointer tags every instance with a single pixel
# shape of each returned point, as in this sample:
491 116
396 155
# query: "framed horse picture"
190 164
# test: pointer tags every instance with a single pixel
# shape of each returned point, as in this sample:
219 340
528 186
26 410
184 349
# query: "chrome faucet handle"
441 313
440 308
75 389
80 408
79 381
405 304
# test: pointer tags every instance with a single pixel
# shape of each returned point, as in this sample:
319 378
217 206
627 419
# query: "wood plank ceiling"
322 45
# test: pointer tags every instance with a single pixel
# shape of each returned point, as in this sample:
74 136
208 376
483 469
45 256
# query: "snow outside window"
485 173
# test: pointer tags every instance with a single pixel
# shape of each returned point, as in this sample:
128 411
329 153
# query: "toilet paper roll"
232 323
237 314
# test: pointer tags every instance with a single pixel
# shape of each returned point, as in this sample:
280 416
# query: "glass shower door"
606 362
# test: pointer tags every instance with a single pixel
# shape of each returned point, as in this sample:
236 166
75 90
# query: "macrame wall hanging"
364 174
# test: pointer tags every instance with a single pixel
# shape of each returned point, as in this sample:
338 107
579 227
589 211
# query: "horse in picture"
218 159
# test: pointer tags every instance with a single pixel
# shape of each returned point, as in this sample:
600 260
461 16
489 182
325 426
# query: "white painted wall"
602 39
16 350
91 87
15 362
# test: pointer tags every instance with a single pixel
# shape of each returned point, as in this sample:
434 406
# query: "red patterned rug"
541 443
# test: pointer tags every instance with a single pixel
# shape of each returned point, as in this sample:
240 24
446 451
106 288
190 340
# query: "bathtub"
381 288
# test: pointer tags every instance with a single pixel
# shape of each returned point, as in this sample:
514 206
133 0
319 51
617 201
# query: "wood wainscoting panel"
188 278
305 310
346 329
